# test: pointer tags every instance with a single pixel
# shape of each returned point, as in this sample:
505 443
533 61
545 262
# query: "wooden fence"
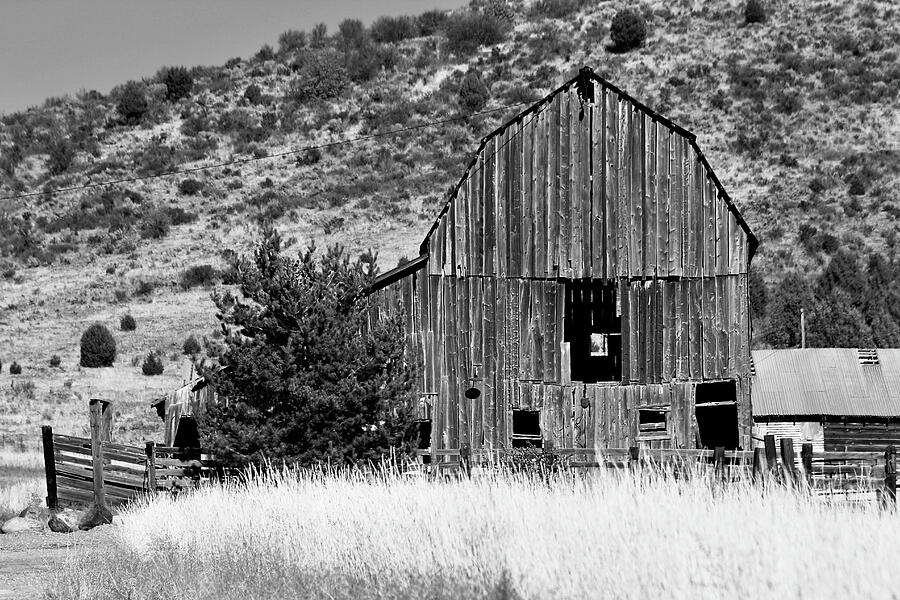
79 471
825 472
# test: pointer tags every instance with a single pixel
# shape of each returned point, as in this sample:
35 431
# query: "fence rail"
823 472
72 464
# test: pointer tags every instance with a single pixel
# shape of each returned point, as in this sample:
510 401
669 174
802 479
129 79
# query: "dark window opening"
423 434
593 328
717 418
716 391
527 429
651 421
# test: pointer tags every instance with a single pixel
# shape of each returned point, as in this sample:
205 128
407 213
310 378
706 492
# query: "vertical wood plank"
540 185
526 200
565 188
651 200
502 205
49 467
598 186
553 179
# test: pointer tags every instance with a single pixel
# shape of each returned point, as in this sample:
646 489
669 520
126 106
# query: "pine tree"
789 296
305 379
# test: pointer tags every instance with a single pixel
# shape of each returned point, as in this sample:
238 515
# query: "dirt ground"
29 561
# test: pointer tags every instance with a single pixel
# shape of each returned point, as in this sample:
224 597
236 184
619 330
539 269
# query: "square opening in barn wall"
651 422
423 430
593 329
716 410
526 429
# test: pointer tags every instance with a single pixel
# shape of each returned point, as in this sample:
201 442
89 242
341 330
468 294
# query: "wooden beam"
50 467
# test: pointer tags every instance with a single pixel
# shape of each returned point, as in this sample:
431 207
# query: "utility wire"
241 161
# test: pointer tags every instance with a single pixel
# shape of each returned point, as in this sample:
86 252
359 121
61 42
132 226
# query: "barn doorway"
526 429
717 418
423 432
593 329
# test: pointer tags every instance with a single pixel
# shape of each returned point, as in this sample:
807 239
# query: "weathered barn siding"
590 194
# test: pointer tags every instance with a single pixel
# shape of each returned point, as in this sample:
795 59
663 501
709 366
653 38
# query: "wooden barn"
837 399
585 285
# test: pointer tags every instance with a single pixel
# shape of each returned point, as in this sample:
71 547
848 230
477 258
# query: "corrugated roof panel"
825 381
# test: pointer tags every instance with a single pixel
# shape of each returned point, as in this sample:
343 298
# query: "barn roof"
840 382
587 73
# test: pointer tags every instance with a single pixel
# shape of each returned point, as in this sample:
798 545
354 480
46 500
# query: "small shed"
179 410
839 399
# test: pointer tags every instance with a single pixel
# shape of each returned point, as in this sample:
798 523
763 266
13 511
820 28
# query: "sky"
56 47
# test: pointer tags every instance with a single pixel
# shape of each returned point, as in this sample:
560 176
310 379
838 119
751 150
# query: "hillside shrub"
98 347
432 22
265 53
473 93
15 368
318 36
303 380
55 361
627 30
61 154
291 40
390 30
152 365
556 9
191 346
469 31
253 94
127 323
198 275
352 34
321 77
190 187
132 104
754 12
178 82
156 225
144 287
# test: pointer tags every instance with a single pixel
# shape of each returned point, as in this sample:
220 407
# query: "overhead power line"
183 170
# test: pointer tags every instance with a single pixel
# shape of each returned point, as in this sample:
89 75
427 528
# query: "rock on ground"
19 524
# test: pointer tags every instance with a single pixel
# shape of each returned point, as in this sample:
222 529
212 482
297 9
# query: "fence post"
634 455
771 456
96 407
806 451
787 460
759 464
50 467
151 467
464 457
890 474
719 461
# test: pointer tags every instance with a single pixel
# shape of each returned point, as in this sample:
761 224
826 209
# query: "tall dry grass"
309 535
21 481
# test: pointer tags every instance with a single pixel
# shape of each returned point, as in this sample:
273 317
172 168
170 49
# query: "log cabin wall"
586 203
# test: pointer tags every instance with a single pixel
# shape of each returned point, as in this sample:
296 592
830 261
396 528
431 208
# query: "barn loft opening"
526 429
716 410
593 328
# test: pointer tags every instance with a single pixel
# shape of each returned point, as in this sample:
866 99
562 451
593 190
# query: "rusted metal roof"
826 382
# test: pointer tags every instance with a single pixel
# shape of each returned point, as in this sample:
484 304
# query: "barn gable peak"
585 85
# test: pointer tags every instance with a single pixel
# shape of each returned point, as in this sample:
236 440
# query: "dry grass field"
21 480
302 535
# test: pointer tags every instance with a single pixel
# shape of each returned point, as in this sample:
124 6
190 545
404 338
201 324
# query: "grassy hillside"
798 116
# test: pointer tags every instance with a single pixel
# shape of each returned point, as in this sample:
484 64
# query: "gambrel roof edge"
587 72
